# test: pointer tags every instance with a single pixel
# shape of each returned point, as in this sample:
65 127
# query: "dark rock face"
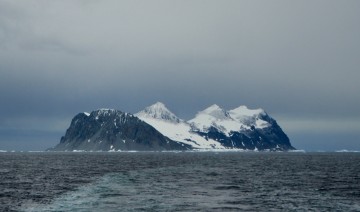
271 138
107 130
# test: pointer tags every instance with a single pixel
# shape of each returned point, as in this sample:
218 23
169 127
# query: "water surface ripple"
146 181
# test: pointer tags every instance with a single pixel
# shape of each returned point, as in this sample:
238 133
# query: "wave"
345 150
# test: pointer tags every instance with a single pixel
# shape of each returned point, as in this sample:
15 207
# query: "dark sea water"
180 181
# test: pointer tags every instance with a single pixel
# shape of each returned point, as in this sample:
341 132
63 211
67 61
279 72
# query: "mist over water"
179 181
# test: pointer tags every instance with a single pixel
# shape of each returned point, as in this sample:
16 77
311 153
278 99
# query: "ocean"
179 181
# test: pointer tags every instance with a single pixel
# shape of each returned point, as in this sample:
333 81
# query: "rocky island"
156 128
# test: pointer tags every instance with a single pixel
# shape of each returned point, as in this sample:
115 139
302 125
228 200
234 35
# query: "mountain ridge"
212 128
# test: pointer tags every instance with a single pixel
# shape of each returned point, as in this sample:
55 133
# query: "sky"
298 60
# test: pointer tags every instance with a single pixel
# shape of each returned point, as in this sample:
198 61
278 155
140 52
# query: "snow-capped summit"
158 111
245 111
241 127
167 123
250 117
216 112
214 116
238 119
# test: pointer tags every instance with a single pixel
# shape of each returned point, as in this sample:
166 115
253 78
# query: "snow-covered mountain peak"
159 106
250 117
167 123
214 116
238 119
212 108
242 111
158 111
215 111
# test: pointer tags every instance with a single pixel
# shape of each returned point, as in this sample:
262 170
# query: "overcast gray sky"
299 60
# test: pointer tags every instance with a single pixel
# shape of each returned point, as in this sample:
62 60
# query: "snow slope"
250 117
168 124
238 119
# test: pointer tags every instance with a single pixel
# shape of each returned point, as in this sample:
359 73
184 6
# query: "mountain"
160 112
216 128
215 117
241 128
156 128
226 122
113 130
167 123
